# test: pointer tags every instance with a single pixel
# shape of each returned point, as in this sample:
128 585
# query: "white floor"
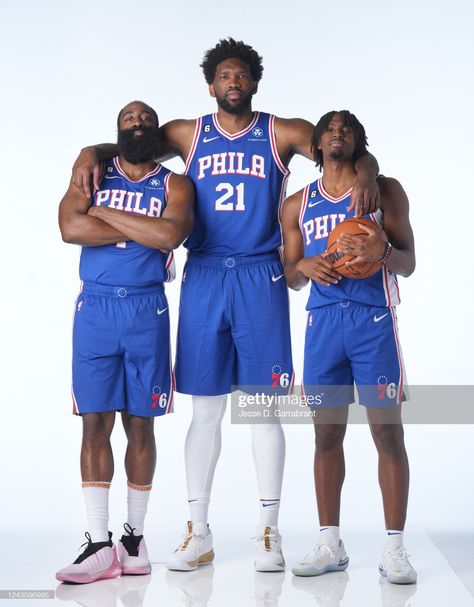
231 581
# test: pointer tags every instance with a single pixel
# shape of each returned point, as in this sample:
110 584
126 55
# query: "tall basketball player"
352 336
234 322
139 212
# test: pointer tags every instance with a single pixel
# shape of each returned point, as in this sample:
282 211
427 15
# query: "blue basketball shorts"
234 326
349 343
121 351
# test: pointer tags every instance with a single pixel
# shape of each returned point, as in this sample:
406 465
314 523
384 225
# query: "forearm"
401 261
90 231
104 151
367 165
295 279
153 232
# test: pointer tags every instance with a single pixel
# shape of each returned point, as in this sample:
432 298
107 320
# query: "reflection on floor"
232 581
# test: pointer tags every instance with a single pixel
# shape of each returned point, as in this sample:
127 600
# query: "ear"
212 92
255 88
319 147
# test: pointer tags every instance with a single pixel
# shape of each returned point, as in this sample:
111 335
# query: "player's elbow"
409 269
68 234
176 234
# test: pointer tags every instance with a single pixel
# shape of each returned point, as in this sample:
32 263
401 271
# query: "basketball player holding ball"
351 334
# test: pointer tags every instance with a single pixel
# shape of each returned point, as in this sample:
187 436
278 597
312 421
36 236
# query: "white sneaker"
396 567
195 549
269 556
322 559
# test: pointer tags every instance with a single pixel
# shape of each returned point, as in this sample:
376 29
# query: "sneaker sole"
394 580
270 568
204 559
144 570
115 570
312 571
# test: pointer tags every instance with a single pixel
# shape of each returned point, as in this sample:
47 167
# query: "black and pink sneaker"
98 562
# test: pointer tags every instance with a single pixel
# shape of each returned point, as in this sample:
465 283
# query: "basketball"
360 270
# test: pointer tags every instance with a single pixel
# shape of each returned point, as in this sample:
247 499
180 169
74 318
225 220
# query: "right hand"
87 165
319 269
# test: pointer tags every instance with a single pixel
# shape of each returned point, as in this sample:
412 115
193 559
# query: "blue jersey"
319 214
240 187
129 263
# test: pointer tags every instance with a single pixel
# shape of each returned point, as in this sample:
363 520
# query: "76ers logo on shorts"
279 379
158 399
385 389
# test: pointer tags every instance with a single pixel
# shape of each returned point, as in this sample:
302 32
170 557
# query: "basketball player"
121 352
351 336
234 322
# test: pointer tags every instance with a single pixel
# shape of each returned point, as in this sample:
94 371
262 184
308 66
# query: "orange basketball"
338 260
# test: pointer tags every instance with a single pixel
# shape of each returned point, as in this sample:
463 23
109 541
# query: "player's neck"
135 172
233 123
338 177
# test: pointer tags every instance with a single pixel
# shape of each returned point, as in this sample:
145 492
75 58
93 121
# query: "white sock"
329 536
269 510
394 539
96 496
201 452
268 449
137 504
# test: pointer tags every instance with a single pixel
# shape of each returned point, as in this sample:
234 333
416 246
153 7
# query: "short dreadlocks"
352 122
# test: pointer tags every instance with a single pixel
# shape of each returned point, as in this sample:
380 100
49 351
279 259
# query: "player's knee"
97 427
139 430
329 437
388 439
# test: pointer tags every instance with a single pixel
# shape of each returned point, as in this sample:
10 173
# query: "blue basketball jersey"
319 214
129 263
240 187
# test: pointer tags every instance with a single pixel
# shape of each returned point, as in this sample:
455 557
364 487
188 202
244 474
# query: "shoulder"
179 128
389 186
180 183
392 194
288 126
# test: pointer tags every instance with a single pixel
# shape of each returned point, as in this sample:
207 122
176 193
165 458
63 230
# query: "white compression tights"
202 449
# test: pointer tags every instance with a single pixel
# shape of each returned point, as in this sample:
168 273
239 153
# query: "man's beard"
336 154
235 108
139 149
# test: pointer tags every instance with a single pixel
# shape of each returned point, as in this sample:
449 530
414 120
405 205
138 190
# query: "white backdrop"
405 69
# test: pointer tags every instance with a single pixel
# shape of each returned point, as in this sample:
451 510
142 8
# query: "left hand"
366 249
365 196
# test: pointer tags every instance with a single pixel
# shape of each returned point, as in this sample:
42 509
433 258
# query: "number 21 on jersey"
232 199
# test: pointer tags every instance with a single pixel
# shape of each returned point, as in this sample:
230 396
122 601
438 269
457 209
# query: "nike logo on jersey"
276 278
377 318
207 139
160 312
112 176
313 204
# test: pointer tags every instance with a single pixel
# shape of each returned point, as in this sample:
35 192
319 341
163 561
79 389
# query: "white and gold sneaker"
195 549
269 556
